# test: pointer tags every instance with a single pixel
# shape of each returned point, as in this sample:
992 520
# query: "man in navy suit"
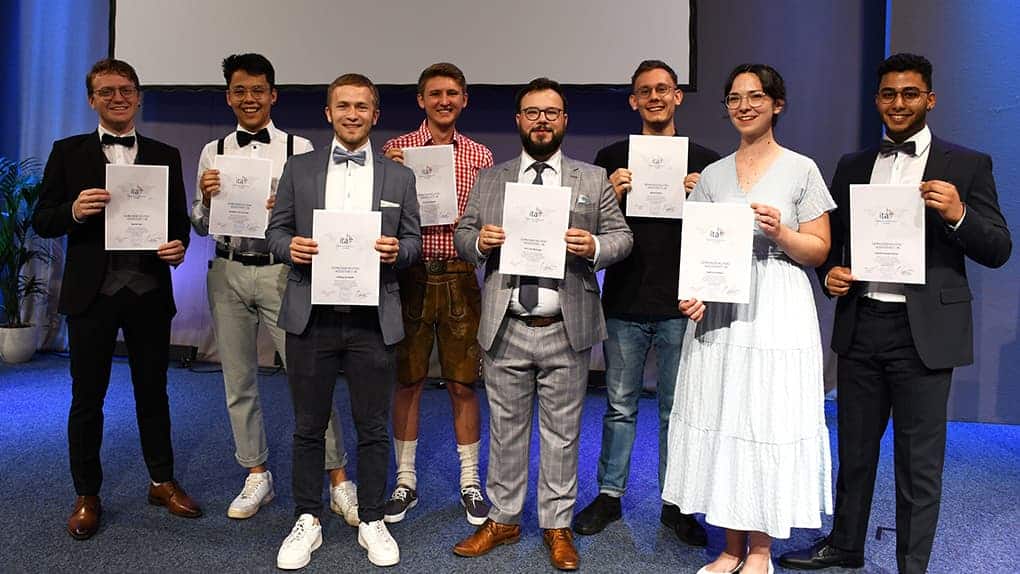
897 343
106 291
345 176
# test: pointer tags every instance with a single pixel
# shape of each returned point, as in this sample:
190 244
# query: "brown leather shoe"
172 496
84 521
562 554
488 536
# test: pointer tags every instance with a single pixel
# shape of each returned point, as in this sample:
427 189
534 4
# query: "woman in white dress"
748 446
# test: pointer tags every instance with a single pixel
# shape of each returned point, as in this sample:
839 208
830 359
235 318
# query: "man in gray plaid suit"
537 334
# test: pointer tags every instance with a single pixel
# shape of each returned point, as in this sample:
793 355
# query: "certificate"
658 166
887 233
346 269
136 216
239 209
715 252
535 220
435 183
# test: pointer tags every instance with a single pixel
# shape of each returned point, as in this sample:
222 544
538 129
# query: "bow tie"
244 138
341 155
110 139
888 148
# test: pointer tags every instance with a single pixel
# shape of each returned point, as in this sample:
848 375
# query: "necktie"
126 141
244 138
528 294
341 155
888 148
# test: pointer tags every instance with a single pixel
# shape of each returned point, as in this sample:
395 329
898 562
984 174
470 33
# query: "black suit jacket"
78 163
940 310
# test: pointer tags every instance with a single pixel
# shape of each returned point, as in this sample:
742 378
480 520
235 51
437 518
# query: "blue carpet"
976 533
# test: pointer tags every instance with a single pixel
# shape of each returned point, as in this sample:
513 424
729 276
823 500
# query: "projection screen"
181 43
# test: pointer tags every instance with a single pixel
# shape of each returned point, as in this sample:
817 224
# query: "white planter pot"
17 345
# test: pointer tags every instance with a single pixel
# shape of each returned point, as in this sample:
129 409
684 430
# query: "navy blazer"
78 163
940 310
302 190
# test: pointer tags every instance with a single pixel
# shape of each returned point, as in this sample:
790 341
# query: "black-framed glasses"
909 95
126 92
551 114
257 92
661 90
754 99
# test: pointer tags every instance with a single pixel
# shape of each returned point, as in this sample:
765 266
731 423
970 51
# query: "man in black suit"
897 343
108 291
639 300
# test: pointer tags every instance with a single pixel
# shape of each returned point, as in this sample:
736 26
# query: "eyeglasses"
257 92
126 92
754 99
909 95
551 114
661 90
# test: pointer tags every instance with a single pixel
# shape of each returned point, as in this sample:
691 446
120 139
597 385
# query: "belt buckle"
435 266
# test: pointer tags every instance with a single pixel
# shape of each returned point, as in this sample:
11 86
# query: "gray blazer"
593 207
303 189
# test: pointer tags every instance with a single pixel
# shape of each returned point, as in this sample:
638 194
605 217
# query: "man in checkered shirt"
440 299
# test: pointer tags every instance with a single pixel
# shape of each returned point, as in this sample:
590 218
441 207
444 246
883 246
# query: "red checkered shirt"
469 157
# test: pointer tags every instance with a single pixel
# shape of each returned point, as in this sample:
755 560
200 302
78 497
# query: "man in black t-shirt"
640 303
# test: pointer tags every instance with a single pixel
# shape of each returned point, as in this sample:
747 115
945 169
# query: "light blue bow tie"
341 155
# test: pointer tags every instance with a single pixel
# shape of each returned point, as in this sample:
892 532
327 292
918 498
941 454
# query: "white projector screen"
310 42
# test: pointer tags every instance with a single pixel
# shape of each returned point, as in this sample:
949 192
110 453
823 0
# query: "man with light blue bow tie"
321 340
537 334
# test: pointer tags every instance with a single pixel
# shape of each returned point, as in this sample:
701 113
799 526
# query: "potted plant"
19 246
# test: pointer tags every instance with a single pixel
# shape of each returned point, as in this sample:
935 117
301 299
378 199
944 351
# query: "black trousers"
92 336
880 373
351 341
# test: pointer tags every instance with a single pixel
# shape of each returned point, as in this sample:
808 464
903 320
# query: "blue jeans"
625 351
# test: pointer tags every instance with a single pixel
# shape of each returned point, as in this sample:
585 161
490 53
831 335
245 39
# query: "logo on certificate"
345 241
656 162
427 171
536 215
135 192
886 216
716 234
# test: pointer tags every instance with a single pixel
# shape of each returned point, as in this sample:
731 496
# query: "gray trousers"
240 298
522 363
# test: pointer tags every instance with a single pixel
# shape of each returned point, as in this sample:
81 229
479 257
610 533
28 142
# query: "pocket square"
583 200
384 203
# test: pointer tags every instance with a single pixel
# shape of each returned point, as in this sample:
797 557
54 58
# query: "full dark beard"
541 150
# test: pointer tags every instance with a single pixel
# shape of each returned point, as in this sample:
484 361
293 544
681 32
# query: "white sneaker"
257 492
382 548
343 500
296 550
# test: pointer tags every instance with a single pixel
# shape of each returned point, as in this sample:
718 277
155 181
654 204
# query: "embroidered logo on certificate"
887 233
346 269
715 252
136 216
535 220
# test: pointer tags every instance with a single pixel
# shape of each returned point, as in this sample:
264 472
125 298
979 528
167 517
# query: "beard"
541 150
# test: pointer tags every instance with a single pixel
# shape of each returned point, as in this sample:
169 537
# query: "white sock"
405 451
468 454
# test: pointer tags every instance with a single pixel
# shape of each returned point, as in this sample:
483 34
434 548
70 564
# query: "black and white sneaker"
475 507
404 498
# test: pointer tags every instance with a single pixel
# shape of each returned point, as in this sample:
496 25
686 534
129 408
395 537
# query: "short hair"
771 82
358 80
253 64
904 62
442 70
539 85
111 66
648 65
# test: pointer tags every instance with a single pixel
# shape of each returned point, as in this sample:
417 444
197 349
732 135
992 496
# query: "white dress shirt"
901 169
119 154
349 185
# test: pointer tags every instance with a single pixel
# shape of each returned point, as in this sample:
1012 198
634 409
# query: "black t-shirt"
643 286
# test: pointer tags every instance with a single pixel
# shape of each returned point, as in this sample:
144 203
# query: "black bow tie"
888 148
110 139
244 138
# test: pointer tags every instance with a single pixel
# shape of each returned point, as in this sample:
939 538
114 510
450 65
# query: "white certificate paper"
658 166
887 233
346 269
435 183
715 252
535 220
239 209
136 216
